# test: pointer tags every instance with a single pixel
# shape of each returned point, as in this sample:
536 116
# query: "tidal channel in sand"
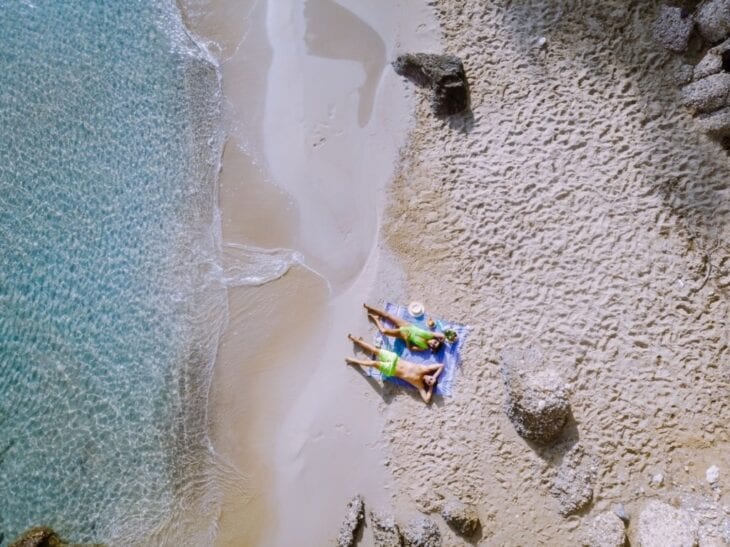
315 118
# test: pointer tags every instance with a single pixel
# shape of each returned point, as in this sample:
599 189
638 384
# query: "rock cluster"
707 89
421 532
355 513
708 94
661 524
385 531
536 397
606 530
443 74
462 518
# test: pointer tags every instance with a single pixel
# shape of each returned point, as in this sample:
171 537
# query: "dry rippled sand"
579 210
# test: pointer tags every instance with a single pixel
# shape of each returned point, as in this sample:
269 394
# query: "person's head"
434 344
429 380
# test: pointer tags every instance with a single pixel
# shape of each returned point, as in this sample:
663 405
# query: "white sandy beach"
574 211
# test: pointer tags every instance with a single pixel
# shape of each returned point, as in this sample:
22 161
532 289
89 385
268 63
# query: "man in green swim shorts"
422 377
416 338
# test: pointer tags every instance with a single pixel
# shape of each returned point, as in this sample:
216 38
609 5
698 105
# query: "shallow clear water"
108 324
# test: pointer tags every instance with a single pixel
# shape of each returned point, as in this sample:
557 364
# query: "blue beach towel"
449 354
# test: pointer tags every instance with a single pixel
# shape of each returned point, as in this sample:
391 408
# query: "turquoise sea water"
108 320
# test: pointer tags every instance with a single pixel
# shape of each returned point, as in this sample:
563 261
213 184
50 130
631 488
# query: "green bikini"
416 336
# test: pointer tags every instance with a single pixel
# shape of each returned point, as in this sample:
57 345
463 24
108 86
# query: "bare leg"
364 345
382 329
397 321
361 362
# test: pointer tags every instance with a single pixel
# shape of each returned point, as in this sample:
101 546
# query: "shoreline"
278 419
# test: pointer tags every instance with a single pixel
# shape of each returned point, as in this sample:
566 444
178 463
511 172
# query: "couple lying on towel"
423 378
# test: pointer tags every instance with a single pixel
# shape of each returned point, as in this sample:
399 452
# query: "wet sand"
316 118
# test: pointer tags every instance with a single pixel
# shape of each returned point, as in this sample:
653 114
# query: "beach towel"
449 354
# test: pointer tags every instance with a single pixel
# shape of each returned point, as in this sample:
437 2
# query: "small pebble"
657 480
712 474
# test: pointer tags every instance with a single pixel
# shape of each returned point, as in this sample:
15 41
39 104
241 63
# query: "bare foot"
350 361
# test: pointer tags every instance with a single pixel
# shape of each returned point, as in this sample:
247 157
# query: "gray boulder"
713 20
355 513
606 530
708 94
715 60
536 397
462 518
673 27
661 525
421 532
385 530
573 482
443 74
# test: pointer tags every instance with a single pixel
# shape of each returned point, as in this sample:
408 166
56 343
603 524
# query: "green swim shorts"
388 362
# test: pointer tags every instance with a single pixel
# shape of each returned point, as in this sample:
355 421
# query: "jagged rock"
713 20
708 94
421 532
443 74
673 27
573 483
463 518
536 398
385 530
353 519
661 525
715 60
40 536
606 530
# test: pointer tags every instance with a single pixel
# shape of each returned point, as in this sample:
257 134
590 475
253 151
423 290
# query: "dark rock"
606 530
536 397
672 28
713 20
443 74
463 518
421 532
40 536
661 524
573 483
385 530
353 519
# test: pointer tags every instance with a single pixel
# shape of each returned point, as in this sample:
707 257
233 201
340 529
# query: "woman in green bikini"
416 338
422 377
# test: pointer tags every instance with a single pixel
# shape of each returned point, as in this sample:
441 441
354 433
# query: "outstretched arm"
426 394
